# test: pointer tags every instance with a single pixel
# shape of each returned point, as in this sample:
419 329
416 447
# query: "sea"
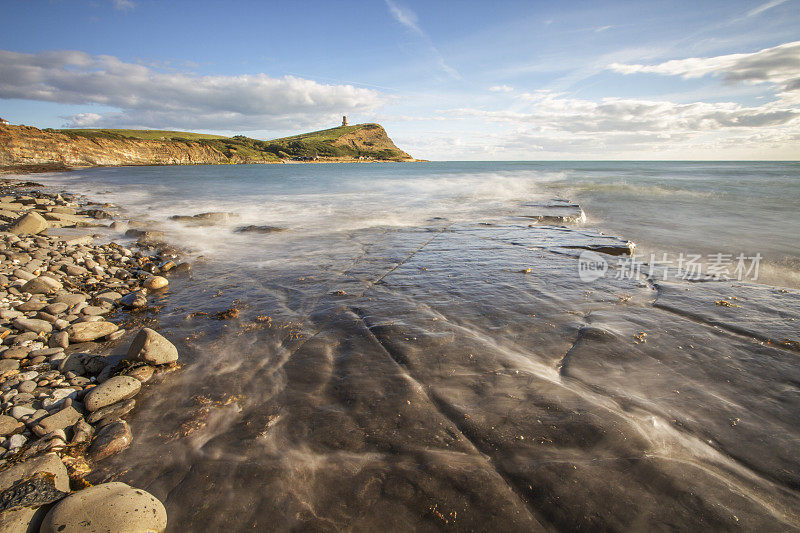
678 208
412 351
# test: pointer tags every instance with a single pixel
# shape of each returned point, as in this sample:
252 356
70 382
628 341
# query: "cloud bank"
779 65
559 124
146 97
550 124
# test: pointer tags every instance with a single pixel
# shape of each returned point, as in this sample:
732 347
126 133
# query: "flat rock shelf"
461 375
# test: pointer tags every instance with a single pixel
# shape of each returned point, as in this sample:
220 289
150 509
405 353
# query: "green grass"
152 135
326 135
304 146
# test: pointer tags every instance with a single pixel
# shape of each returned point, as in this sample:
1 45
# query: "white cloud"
409 19
779 65
501 88
147 97
560 125
570 115
404 16
763 7
124 5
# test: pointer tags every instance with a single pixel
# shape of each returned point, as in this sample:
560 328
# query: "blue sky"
448 80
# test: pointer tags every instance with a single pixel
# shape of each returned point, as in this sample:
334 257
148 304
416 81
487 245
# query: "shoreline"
8 171
634 318
68 375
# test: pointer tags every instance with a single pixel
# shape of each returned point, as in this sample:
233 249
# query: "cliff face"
372 138
25 145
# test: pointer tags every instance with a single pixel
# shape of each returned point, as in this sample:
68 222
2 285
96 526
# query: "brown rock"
30 223
151 347
111 439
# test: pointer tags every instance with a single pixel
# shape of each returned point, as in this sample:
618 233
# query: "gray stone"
33 324
20 411
10 314
23 274
108 507
133 299
47 352
153 348
69 298
31 305
89 331
59 339
57 308
7 365
155 283
16 353
82 432
112 391
59 420
93 310
28 519
16 441
206 219
27 386
73 363
109 296
42 285
78 240
116 410
10 425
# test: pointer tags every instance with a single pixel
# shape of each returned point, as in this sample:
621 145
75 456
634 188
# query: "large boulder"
108 507
30 223
151 347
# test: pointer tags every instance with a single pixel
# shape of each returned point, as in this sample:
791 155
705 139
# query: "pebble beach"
72 362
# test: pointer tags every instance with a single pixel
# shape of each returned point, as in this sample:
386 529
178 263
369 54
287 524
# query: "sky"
467 80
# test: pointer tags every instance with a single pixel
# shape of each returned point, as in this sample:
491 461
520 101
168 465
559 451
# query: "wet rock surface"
461 374
554 212
258 229
206 219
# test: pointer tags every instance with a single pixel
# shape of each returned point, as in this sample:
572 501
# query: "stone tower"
344 121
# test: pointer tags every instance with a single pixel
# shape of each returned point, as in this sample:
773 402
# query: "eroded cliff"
26 145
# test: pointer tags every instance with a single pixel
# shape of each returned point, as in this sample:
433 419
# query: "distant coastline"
26 149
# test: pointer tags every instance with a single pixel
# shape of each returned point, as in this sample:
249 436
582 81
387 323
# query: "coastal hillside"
360 141
26 146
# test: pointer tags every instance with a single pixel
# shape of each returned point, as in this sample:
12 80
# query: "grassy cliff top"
361 141
331 134
150 135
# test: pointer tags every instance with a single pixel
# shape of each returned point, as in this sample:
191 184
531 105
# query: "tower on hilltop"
344 121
